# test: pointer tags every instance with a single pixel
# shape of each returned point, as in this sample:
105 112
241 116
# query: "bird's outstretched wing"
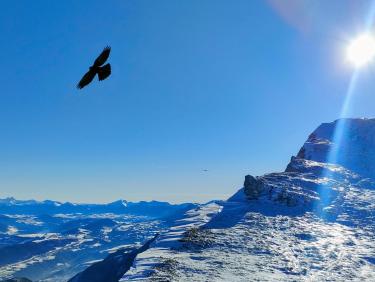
104 71
102 57
86 79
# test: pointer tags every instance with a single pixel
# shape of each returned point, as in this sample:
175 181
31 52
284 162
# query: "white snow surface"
313 222
262 240
355 145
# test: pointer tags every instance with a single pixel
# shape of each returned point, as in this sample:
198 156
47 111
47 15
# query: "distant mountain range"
53 241
153 208
315 221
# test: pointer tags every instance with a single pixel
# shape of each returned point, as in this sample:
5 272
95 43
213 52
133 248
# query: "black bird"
97 68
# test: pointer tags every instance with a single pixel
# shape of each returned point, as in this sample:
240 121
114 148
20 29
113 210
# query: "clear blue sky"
234 87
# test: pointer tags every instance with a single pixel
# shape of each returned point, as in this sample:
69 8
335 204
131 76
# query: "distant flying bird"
205 170
97 68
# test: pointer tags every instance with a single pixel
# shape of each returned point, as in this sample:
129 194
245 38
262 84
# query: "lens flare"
361 50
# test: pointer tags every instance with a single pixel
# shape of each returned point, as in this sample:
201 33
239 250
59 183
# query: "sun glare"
361 50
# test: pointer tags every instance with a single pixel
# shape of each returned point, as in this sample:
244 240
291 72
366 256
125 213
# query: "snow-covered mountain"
53 241
113 267
354 147
315 221
152 208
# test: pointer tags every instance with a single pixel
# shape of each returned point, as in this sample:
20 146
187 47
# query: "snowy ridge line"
146 263
113 267
313 222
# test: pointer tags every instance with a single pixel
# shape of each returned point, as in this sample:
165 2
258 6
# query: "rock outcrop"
323 166
349 143
253 187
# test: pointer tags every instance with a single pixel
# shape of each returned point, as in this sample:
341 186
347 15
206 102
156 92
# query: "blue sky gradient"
234 87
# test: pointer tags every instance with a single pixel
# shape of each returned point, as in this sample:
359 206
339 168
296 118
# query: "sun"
361 50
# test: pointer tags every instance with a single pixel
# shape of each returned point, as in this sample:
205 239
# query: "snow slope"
51 241
313 222
355 150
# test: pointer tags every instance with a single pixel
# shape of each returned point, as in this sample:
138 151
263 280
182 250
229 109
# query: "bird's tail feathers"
104 71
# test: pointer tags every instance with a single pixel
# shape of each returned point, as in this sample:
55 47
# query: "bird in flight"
97 68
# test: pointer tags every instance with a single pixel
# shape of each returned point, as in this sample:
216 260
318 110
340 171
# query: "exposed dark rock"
253 187
353 149
196 238
166 270
301 153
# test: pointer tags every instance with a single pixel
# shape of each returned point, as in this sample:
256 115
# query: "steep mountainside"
313 222
352 149
52 241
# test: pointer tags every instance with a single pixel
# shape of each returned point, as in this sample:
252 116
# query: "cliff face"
315 221
353 149
321 180
312 222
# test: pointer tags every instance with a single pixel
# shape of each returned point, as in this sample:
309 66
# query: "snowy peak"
312 222
153 209
119 203
346 142
327 170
